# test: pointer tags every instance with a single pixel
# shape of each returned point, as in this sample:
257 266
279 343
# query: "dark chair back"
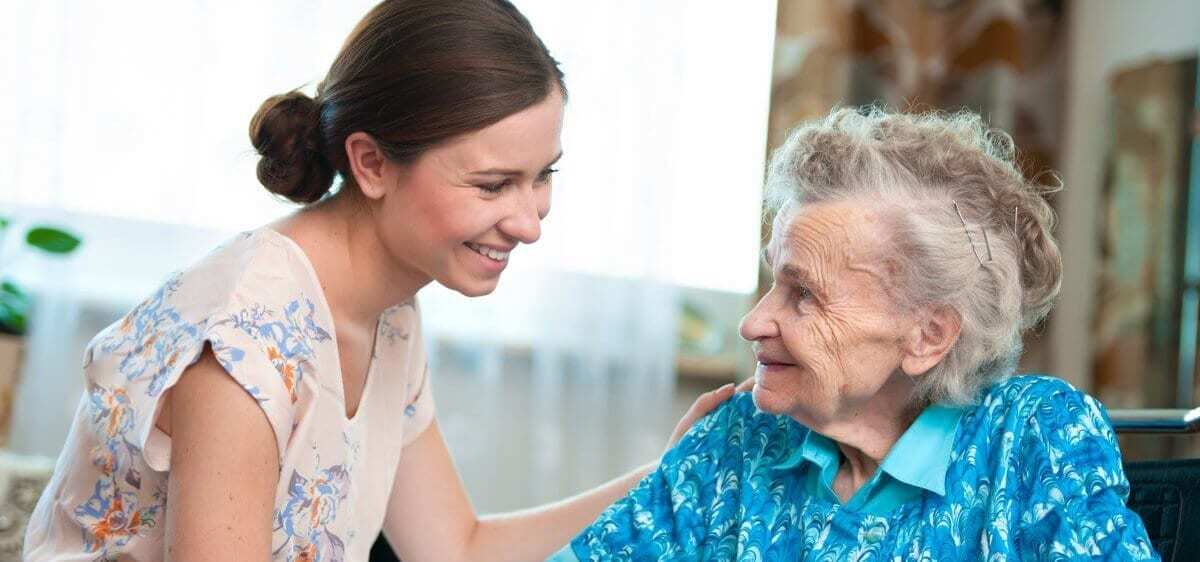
1165 494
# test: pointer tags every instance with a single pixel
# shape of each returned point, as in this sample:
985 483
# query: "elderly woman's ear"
929 340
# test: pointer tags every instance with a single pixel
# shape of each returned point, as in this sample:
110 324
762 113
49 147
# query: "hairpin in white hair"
987 244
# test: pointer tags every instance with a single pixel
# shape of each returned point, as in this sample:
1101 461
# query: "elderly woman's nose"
758 324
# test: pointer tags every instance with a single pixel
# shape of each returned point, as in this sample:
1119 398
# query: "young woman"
272 401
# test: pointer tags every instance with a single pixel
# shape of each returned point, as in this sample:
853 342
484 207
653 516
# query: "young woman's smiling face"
460 210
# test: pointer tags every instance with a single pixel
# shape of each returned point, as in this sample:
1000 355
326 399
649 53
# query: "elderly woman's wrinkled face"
827 336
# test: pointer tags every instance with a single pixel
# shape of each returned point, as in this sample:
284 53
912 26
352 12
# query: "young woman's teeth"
485 251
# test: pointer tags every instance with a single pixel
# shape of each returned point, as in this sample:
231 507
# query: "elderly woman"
908 255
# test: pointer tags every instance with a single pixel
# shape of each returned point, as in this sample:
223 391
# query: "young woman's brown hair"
413 73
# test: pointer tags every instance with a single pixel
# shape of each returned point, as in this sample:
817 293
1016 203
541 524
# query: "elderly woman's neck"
867 435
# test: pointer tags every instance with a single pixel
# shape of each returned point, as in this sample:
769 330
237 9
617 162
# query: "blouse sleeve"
667 515
1076 509
132 366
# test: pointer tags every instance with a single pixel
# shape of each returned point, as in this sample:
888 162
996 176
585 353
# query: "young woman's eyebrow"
512 172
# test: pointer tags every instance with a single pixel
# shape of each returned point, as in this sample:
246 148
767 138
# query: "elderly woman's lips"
765 359
773 366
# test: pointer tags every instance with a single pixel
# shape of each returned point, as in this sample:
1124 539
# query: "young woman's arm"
430 517
224 469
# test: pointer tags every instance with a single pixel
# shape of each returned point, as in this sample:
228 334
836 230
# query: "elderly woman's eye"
802 293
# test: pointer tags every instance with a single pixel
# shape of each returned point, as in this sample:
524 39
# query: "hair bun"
286 133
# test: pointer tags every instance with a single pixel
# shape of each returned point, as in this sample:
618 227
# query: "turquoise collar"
919 458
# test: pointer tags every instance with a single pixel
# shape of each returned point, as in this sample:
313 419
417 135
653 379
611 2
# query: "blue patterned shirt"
1034 474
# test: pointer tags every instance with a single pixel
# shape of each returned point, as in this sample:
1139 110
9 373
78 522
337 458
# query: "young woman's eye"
546 175
494 187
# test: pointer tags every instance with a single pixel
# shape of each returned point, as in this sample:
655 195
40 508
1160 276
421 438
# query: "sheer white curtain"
140 109
135 113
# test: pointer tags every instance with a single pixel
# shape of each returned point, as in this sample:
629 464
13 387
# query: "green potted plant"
15 305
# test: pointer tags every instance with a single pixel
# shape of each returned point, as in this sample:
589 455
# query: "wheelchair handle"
1155 421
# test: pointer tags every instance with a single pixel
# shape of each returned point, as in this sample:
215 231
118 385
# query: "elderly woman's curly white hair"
967 229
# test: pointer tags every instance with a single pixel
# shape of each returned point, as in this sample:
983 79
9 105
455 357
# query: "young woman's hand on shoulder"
224 469
431 518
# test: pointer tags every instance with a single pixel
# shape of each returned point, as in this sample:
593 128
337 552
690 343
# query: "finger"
701 407
746 385
709 400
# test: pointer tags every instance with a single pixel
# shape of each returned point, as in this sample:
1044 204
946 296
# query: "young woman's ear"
369 165
930 340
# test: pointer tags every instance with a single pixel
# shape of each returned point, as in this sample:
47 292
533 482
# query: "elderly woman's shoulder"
1040 404
1024 388
739 418
1029 390
1038 428
740 410
742 407
736 432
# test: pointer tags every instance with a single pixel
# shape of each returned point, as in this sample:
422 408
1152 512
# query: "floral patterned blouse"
1034 474
259 305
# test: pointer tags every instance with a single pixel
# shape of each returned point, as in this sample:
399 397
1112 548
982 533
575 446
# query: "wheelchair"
1165 493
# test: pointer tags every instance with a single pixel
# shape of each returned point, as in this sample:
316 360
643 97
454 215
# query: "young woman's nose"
524 221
